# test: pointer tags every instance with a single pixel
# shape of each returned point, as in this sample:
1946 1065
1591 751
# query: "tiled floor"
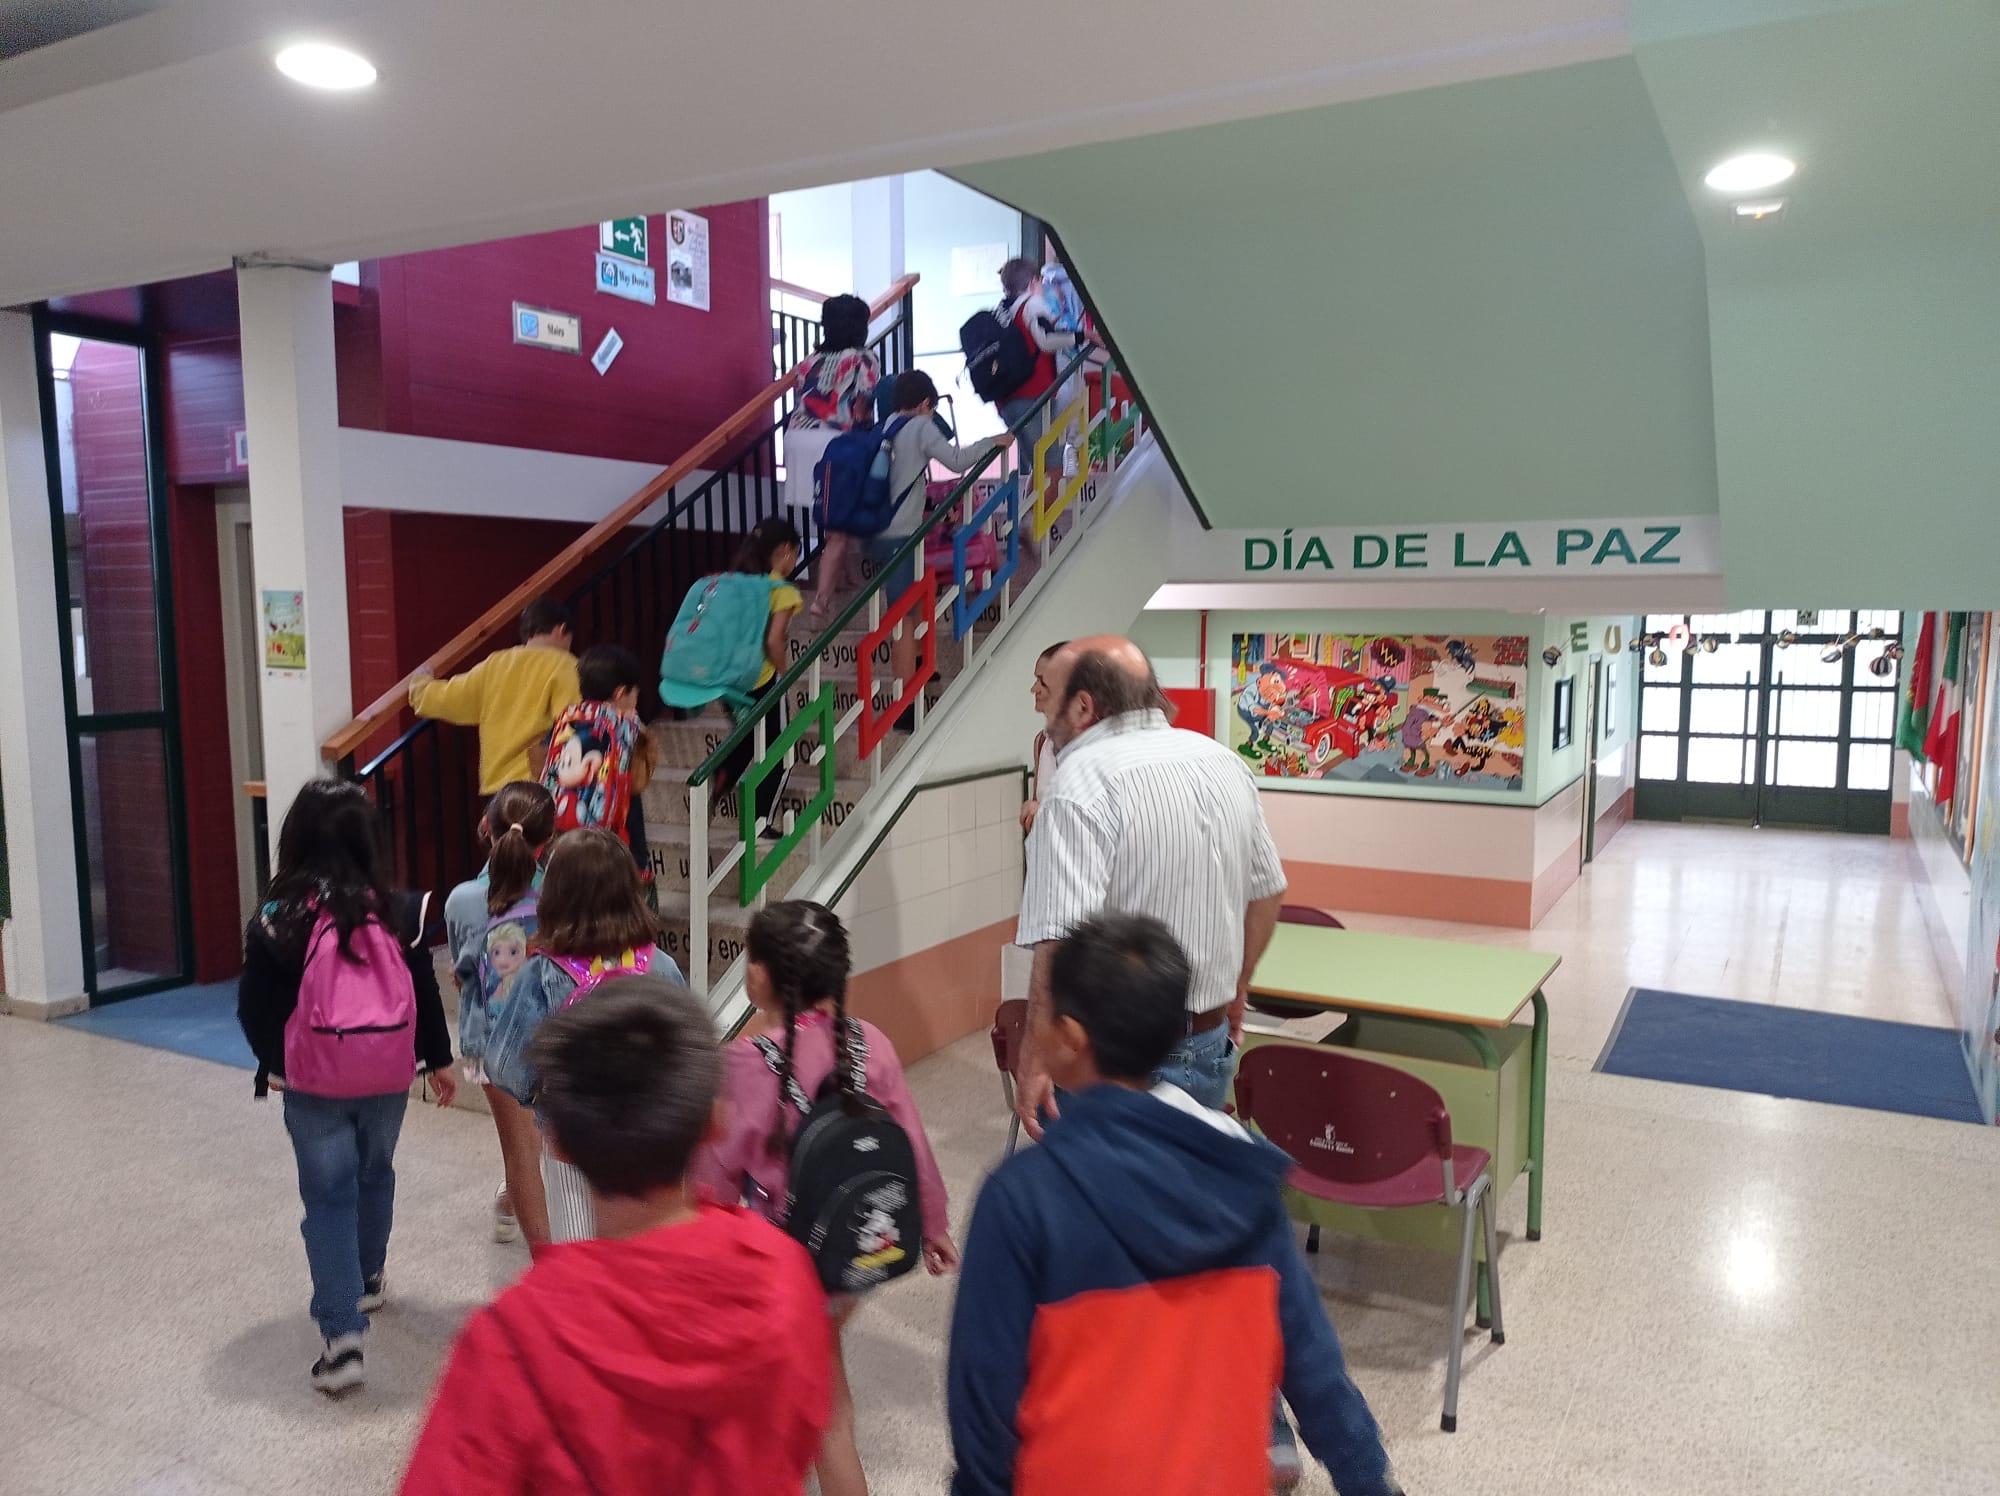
1735 1295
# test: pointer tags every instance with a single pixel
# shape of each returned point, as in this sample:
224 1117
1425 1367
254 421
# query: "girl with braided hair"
801 1039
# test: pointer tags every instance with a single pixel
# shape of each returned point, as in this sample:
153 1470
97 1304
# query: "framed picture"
1565 711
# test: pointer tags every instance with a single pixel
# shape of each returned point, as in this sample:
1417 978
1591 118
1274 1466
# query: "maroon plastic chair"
1370 1135
1296 914
1010 1023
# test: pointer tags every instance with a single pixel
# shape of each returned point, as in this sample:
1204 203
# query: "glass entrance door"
100 425
1769 718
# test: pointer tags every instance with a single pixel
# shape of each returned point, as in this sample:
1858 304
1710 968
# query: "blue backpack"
715 649
851 483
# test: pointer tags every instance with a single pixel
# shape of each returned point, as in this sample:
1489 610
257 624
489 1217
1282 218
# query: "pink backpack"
595 972
354 1030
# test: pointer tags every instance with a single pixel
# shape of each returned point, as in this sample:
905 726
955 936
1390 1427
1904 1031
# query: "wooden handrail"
503 615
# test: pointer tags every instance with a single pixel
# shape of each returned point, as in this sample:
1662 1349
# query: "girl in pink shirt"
772 1073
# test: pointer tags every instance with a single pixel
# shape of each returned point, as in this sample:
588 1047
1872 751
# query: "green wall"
1477 303
1173 641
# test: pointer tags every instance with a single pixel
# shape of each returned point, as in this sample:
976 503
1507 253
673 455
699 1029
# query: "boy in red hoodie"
687 1349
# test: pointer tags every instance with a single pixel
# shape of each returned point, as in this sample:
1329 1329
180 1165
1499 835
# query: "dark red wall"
440 359
204 410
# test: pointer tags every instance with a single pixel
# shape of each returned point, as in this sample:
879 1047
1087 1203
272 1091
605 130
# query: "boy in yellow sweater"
513 697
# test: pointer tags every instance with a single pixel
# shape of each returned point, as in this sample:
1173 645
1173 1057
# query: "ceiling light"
1761 210
1750 173
320 65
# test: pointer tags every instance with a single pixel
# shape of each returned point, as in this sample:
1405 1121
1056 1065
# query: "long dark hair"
329 862
843 324
592 901
803 948
761 546
520 820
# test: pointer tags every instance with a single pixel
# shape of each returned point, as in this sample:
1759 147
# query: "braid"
851 1083
780 1137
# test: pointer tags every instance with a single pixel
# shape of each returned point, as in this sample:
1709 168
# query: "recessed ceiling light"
1750 173
1758 209
321 65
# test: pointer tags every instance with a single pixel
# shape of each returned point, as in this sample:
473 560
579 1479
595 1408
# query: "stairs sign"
623 237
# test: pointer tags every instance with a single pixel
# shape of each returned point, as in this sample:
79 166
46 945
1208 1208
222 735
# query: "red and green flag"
1941 736
1913 726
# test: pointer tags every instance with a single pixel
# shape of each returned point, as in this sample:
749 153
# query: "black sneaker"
339 1367
374 1294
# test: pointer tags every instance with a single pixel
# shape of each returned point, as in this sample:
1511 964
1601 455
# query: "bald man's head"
1094 679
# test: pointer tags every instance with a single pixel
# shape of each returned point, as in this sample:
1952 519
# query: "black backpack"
999 358
853 1186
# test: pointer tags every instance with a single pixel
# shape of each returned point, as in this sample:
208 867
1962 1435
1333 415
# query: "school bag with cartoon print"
503 950
851 1187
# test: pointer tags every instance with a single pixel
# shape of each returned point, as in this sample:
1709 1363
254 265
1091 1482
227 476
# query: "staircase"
685 745
625 584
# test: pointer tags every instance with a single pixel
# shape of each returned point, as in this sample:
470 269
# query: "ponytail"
520 821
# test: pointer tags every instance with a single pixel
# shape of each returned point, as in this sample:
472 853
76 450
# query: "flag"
1910 731
1941 737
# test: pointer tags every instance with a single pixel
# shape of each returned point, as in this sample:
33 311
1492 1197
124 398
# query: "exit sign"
623 237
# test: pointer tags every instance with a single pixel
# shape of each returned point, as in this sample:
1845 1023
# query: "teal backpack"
715 649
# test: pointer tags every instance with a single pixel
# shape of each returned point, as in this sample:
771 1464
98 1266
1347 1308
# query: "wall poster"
1979 1009
687 260
284 630
1395 709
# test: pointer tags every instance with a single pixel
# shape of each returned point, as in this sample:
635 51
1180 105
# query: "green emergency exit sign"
623 237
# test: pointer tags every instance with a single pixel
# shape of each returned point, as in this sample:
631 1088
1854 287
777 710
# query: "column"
878 235
43 938
298 544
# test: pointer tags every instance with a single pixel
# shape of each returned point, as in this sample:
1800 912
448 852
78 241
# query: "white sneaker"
340 1365
505 1227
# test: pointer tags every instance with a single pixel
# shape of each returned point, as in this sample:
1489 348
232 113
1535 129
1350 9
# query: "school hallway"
1734 1293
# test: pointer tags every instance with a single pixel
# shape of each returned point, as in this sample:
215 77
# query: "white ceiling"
165 145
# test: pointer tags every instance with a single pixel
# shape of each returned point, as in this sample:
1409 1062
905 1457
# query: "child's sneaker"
505 1227
374 1293
339 1366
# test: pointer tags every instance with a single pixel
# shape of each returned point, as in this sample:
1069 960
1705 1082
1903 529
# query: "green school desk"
1416 1001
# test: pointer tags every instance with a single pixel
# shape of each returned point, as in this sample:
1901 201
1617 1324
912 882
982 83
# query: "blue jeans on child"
346 1150
1203 1065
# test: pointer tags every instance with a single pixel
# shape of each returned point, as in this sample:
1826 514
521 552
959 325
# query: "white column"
878 234
43 939
297 540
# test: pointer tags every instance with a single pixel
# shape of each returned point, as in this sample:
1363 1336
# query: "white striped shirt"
1147 819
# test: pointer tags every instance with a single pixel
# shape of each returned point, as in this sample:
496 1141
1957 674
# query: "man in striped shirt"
1146 819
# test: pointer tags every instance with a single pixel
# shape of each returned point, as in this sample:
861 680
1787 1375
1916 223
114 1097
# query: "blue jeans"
881 549
346 1150
1203 1065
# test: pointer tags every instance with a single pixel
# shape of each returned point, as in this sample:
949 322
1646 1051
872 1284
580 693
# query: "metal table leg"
1538 1097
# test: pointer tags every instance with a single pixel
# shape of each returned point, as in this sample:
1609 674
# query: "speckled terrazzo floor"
1734 1295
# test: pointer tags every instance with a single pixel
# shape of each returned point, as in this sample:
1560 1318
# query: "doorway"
1774 718
121 729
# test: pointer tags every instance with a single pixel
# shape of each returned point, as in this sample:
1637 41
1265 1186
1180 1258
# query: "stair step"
686 746
666 799
670 850
728 922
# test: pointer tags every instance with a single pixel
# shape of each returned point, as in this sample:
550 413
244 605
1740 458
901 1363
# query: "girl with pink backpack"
594 926
340 1004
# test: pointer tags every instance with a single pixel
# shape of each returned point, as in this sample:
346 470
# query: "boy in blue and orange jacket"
1132 1293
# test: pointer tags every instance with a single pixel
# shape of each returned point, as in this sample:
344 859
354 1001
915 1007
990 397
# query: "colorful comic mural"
1382 708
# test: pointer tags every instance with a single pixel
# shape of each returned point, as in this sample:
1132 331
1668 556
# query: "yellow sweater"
513 698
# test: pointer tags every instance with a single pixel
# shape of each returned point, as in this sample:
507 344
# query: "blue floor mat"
198 1021
1792 1052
